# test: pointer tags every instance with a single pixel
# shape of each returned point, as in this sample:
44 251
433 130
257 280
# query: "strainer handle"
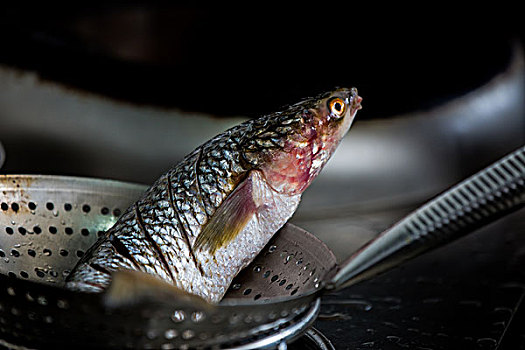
482 198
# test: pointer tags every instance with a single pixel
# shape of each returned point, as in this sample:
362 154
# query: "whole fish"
208 217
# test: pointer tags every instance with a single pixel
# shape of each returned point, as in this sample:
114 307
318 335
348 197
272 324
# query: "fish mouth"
355 101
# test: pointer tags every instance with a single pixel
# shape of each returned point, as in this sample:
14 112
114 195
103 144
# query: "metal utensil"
46 223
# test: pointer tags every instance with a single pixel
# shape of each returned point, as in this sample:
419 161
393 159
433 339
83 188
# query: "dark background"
247 61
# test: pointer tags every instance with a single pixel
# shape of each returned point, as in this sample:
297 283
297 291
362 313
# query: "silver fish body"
208 217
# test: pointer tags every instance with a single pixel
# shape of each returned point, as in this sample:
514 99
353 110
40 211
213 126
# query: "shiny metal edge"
287 334
73 183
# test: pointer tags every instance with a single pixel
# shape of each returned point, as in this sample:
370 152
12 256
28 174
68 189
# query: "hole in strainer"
50 206
68 207
4 206
9 230
15 207
86 208
178 316
187 334
170 334
62 304
42 300
31 205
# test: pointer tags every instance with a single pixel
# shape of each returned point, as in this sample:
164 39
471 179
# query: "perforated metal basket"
48 222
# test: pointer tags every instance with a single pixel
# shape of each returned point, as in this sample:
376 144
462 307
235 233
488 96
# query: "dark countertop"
467 295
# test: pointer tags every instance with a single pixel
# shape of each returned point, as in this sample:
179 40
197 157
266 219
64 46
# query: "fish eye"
337 106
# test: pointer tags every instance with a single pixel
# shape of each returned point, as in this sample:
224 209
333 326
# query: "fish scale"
160 219
182 220
206 218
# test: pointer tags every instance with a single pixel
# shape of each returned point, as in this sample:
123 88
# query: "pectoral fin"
230 218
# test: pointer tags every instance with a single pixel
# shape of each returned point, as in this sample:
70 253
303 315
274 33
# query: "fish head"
329 121
308 133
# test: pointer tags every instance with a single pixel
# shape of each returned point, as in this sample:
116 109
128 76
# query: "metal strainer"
48 222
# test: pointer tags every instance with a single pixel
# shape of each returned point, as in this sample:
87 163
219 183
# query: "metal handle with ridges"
484 197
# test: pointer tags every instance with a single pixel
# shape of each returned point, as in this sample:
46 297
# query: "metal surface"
313 339
49 222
